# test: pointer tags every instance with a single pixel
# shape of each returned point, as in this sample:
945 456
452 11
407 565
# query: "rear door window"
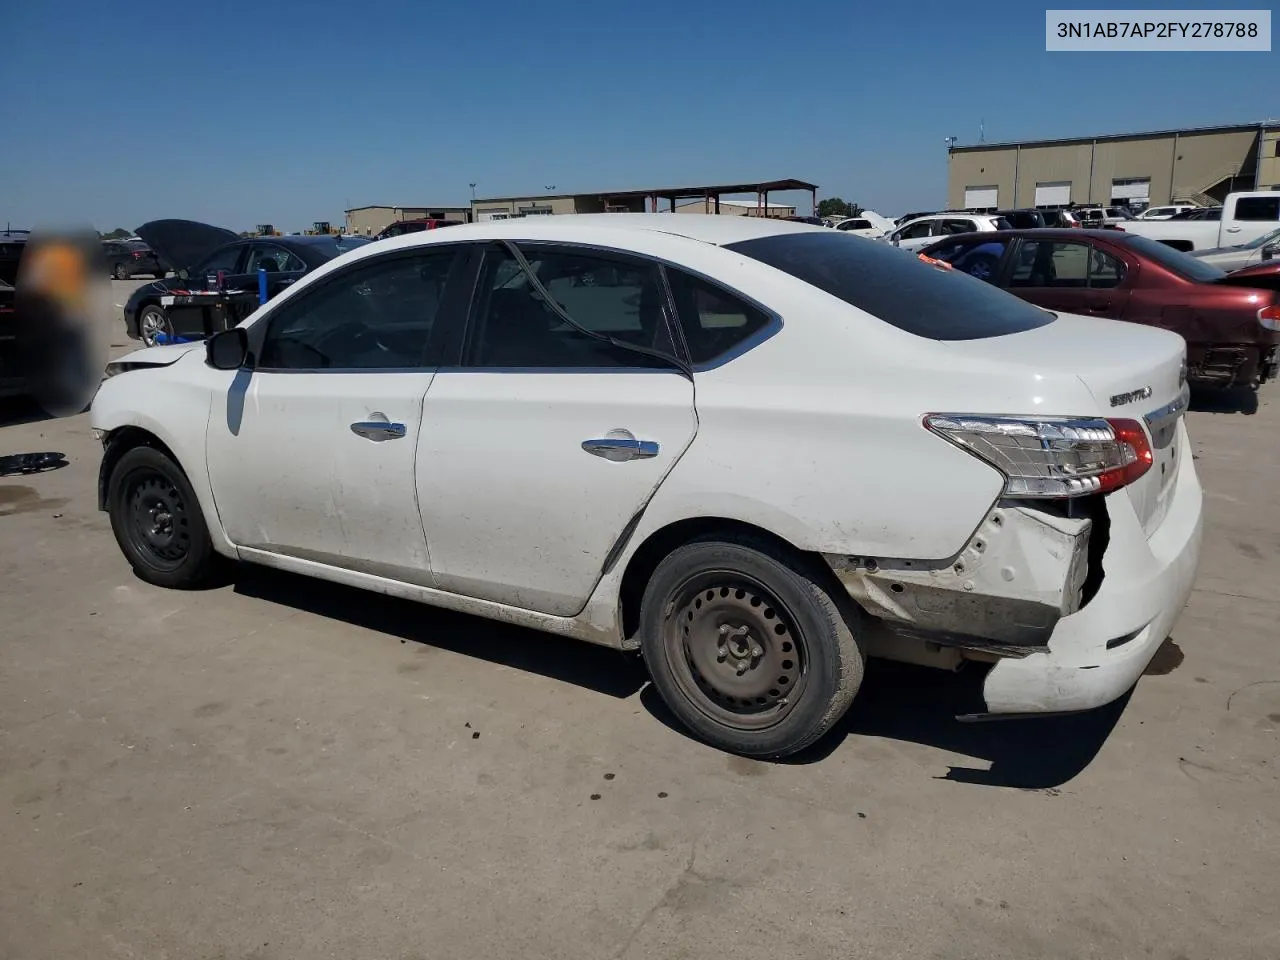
1258 208
928 301
1045 263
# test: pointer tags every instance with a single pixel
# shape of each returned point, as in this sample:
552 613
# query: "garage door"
1134 188
981 198
1055 193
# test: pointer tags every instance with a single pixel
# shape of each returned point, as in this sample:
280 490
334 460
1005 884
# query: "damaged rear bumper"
1071 609
1098 653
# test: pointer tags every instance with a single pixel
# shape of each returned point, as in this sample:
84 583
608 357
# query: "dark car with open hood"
201 253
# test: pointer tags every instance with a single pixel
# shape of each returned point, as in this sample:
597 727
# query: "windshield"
1193 268
896 287
1262 241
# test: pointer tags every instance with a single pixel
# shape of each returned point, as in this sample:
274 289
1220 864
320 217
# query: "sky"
287 112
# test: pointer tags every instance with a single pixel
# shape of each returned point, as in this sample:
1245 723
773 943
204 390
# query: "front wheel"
153 323
157 521
747 647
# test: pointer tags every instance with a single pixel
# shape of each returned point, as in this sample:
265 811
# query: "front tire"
747 647
157 520
152 322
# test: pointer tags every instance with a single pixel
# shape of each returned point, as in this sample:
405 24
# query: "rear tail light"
138 254
1269 317
1051 456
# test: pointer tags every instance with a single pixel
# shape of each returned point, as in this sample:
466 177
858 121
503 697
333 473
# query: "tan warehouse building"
1200 165
367 221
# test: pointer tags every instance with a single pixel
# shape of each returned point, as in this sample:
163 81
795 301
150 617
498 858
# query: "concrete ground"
283 768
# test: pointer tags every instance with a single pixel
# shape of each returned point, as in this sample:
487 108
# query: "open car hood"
183 243
1263 276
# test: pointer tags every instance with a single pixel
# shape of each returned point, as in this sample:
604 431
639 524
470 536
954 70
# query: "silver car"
1265 247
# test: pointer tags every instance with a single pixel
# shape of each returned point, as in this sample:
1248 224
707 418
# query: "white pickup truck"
1245 216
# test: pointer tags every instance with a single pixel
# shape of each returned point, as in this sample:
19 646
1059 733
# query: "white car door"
915 235
539 449
312 453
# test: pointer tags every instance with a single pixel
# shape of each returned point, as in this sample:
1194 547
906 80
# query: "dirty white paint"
490 505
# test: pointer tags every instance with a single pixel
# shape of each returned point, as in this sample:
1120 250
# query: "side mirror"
1270 251
227 350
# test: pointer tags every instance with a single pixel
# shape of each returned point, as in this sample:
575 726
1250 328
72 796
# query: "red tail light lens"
1051 457
1269 317
1135 448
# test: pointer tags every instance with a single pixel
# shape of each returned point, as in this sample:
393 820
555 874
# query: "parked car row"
1231 322
982 479
202 252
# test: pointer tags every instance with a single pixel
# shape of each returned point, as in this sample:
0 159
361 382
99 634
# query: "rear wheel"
747 647
157 521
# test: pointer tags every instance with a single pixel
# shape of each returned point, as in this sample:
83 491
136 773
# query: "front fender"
126 401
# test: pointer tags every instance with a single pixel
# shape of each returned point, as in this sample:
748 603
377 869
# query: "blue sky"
289 111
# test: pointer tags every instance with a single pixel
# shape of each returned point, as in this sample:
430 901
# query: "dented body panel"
1018 575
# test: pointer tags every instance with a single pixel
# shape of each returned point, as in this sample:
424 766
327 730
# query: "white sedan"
749 449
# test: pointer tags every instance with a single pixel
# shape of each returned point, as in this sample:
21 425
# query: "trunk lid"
1262 276
1131 371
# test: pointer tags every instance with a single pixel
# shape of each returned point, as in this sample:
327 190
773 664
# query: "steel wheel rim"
157 520
735 650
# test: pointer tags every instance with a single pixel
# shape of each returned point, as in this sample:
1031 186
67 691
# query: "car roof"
707 228
1047 233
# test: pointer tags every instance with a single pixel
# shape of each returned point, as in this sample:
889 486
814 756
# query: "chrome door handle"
620 449
1233 229
378 430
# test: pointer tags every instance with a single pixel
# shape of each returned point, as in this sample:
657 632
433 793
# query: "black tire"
157 520
120 272
747 646
160 274
153 319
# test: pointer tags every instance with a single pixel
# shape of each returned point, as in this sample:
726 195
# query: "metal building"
1198 165
367 221
708 196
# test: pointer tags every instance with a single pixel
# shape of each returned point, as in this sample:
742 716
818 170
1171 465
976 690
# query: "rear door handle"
378 430
621 448
1233 229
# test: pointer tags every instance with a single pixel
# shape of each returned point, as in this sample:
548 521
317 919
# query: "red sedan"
1231 322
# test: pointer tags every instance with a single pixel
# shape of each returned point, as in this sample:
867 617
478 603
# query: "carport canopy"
713 192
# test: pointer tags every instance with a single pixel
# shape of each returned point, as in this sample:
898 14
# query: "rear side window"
1258 208
894 286
714 320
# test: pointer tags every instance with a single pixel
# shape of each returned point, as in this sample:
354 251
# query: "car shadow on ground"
1226 400
897 701
586 665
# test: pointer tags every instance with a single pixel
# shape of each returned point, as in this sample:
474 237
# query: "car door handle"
378 430
620 449
1233 229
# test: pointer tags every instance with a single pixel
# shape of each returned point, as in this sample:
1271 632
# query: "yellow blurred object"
59 272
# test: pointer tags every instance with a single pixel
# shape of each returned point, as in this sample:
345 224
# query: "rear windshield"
1193 268
896 287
